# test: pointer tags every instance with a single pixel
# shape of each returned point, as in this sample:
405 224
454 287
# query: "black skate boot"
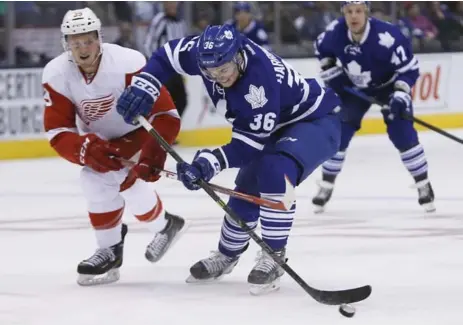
426 195
323 196
266 274
103 266
165 238
212 268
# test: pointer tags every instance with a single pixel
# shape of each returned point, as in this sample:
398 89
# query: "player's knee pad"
267 173
273 168
140 197
401 133
100 190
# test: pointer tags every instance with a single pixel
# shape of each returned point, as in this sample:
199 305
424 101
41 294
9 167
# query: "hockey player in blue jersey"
282 126
378 61
245 23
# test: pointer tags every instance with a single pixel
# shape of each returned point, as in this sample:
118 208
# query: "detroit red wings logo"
94 109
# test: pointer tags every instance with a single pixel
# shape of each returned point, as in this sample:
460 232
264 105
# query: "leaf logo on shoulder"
256 97
92 110
228 34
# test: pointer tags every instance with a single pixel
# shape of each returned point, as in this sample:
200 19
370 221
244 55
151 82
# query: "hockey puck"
347 310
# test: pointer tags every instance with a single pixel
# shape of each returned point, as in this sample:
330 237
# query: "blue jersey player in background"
378 61
245 23
283 126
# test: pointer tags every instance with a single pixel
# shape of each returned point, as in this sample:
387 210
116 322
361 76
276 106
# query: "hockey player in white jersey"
81 88
377 60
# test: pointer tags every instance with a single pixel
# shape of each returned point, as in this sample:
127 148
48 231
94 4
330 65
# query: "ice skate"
164 239
103 266
323 196
425 195
212 268
265 276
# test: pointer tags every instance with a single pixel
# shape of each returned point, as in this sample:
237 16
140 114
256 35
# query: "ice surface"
373 232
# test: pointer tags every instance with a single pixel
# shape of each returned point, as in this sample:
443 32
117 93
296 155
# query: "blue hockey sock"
333 166
276 224
415 161
232 238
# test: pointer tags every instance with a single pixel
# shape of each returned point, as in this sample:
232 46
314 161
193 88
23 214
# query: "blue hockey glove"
139 97
400 104
205 165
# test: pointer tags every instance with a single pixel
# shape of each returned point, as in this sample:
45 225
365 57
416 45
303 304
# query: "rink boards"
437 100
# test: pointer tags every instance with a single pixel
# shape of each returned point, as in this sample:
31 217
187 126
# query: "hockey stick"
283 205
322 296
383 106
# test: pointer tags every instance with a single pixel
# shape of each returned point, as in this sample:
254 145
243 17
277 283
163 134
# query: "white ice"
373 232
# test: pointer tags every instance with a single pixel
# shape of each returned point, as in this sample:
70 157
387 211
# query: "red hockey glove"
98 154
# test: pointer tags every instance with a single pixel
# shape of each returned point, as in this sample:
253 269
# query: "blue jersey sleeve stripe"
173 57
257 135
225 159
247 141
178 66
412 65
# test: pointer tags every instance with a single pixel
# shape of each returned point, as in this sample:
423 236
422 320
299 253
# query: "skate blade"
86 280
319 209
192 280
179 234
263 289
429 207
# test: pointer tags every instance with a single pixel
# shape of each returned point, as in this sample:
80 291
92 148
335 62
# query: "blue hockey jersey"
383 56
255 31
269 95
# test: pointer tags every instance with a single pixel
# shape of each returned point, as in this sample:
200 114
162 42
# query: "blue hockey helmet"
346 3
218 44
242 6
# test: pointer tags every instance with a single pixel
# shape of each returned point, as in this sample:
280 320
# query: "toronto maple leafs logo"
92 110
386 39
228 34
256 97
358 77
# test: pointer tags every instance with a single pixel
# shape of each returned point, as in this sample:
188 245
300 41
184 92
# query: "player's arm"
60 127
331 74
163 115
404 63
249 135
60 124
177 56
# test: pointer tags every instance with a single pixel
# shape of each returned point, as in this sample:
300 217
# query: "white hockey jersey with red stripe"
77 104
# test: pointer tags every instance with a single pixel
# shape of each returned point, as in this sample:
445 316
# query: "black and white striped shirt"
162 29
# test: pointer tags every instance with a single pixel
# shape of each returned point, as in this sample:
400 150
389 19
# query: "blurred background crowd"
30 34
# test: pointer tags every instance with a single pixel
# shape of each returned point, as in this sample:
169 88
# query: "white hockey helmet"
79 21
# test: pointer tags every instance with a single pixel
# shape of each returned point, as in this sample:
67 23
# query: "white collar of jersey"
250 26
365 34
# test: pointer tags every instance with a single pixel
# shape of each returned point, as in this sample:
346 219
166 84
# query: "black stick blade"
342 296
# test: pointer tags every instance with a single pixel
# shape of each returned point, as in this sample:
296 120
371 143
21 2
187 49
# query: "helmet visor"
222 73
